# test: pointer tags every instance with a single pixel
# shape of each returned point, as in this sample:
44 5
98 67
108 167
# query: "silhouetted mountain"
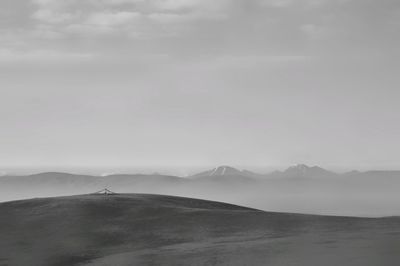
56 184
49 179
375 173
45 179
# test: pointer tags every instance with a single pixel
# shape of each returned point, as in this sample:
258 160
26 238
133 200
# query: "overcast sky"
195 83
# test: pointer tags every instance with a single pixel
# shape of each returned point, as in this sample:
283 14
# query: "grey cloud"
228 26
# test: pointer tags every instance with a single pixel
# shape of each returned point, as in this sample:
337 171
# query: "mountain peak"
303 170
299 167
222 170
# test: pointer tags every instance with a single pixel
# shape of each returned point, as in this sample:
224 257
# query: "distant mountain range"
296 171
224 176
298 188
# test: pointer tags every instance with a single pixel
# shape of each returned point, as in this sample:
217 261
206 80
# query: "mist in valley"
366 194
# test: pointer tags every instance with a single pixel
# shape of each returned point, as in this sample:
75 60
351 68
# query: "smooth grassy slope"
138 229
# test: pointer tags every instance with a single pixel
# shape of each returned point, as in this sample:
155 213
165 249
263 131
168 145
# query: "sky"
184 84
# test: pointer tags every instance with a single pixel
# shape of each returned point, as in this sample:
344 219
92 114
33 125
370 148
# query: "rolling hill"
140 229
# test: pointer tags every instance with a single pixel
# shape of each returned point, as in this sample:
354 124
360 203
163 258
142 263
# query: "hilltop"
139 229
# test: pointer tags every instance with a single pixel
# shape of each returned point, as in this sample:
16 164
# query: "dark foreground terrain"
137 229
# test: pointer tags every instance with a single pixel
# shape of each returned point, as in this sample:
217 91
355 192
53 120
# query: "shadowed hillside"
138 229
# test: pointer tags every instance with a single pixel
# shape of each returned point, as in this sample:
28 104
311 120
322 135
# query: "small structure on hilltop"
105 192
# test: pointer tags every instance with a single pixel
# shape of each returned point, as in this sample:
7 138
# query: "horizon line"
95 171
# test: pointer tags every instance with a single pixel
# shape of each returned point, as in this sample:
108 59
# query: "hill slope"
300 188
138 229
